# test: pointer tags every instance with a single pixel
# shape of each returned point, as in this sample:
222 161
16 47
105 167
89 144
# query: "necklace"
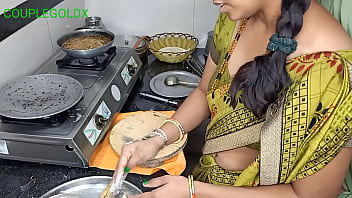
228 55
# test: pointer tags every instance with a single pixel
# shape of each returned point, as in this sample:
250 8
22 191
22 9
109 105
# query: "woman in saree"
277 87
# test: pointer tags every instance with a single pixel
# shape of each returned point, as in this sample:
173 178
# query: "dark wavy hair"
262 79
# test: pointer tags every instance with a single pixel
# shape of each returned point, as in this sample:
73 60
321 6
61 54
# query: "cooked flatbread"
137 126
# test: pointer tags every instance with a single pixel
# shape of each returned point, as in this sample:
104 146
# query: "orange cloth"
104 156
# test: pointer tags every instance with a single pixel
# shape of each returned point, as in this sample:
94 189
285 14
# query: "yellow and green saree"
300 134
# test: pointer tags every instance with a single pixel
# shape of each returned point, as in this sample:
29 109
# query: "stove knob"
131 69
99 121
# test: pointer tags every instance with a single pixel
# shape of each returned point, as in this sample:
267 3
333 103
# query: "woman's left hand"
167 186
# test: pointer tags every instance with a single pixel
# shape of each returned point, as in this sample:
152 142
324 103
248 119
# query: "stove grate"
51 121
98 63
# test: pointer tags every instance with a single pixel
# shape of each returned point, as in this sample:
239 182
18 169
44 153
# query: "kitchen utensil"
131 41
94 22
158 86
89 53
118 179
196 66
39 96
106 192
140 44
158 98
91 187
138 126
173 47
22 189
173 80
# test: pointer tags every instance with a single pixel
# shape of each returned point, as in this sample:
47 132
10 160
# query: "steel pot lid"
129 41
39 96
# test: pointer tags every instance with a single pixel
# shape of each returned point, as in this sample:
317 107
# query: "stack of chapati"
139 125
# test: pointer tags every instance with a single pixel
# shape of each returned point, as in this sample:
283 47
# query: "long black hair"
262 80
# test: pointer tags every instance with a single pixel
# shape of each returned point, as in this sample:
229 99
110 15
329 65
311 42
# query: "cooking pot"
89 53
93 22
140 44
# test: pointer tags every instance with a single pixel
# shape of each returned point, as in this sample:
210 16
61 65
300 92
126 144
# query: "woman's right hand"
139 152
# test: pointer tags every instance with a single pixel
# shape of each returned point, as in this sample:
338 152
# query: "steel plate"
39 96
158 86
88 187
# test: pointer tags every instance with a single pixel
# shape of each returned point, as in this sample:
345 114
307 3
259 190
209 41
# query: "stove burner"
97 63
87 61
51 121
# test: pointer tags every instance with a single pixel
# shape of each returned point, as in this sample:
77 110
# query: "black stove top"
136 102
97 63
70 140
51 121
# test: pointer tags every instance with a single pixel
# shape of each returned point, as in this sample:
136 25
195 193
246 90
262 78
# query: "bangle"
158 132
181 130
192 193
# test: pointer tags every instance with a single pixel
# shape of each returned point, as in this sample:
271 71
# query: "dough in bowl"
173 49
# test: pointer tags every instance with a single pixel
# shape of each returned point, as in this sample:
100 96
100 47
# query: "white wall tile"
25 50
149 17
8 4
205 15
22 52
59 26
146 17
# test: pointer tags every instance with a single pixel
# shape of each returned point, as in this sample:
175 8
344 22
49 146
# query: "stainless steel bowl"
89 53
88 187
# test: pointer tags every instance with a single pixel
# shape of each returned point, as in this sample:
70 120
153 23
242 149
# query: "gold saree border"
270 145
348 143
237 139
349 66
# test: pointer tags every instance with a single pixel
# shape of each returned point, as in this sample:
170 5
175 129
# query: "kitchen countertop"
16 173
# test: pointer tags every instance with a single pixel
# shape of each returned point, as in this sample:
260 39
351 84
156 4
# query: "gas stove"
74 134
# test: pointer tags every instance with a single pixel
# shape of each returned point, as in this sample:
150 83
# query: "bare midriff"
236 159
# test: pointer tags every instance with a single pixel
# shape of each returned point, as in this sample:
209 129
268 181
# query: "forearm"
204 190
190 114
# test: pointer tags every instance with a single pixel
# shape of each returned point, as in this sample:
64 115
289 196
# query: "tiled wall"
25 50
148 17
7 4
